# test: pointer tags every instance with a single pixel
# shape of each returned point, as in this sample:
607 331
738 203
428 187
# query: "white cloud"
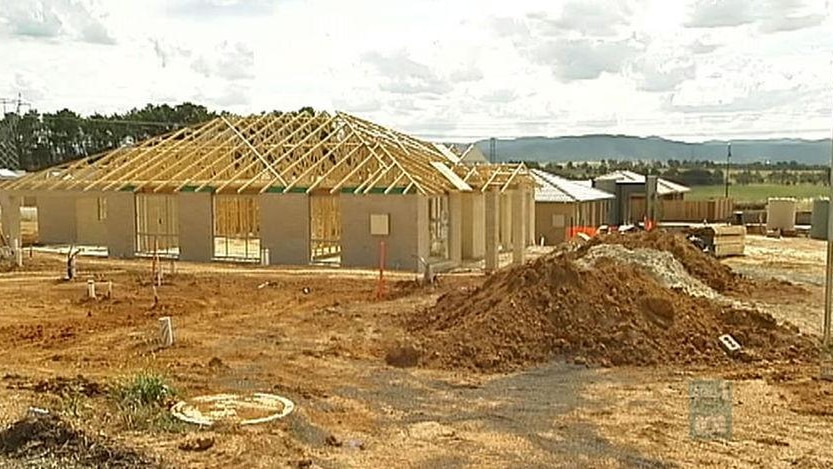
451 70
590 17
770 16
721 13
54 19
402 75
219 8
585 59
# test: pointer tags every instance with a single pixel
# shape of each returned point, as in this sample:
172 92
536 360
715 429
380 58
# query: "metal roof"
554 188
664 186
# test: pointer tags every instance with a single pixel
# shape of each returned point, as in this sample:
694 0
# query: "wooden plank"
195 179
204 162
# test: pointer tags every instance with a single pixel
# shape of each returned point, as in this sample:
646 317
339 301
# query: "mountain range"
624 147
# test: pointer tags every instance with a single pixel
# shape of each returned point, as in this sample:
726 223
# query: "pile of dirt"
610 313
664 267
42 439
702 266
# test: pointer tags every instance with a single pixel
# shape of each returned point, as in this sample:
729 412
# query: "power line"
114 121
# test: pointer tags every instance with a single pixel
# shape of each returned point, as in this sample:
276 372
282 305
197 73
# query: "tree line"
37 140
698 173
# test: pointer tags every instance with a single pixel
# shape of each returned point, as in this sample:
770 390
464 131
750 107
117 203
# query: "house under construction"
283 189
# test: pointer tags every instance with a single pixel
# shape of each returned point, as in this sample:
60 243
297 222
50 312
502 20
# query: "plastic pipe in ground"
91 289
166 331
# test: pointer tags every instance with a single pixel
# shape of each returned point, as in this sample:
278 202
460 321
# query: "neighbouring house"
292 188
468 155
563 207
629 190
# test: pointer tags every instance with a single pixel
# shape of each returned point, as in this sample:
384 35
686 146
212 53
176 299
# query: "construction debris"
729 344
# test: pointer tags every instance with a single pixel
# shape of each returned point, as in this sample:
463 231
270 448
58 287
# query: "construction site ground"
321 338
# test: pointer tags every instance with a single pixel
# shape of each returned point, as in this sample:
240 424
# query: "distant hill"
623 147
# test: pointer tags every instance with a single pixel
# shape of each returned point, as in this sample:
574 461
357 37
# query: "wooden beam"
303 158
360 137
191 147
192 179
316 164
136 163
273 163
332 169
509 181
202 160
143 149
286 154
394 183
254 150
352 172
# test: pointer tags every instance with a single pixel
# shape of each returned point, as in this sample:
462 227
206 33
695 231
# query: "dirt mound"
699 264
662 265
42 439
609 314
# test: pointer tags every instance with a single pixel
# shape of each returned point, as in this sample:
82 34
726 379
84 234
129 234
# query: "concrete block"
408 236
120 224
530 216
473 225
505 214
10 216
492 230
57 221
196 226
285 228
455 227
91 229
518 226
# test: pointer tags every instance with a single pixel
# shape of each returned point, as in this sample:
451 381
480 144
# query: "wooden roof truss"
499 177
291 152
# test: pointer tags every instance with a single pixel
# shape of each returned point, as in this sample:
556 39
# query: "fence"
686 210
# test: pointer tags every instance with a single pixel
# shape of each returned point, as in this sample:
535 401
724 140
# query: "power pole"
828 281
18 103
492 150
9 137
728 167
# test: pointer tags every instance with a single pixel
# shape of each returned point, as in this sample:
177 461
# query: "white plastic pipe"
91 289
18 253
264 257
166 331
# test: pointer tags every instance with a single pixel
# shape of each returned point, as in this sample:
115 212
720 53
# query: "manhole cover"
242 409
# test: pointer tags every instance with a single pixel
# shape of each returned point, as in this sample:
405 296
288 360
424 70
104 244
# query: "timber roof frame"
278 153
494 176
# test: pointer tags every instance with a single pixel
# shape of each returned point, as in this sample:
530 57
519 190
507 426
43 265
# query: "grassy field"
758 192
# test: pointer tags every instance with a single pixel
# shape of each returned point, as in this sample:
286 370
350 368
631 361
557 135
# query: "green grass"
758 192
141 402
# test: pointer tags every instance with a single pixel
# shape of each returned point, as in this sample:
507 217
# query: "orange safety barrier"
574 230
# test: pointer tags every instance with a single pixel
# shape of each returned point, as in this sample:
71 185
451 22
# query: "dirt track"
325 350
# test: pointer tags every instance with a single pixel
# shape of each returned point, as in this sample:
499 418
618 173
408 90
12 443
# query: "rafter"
288 152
